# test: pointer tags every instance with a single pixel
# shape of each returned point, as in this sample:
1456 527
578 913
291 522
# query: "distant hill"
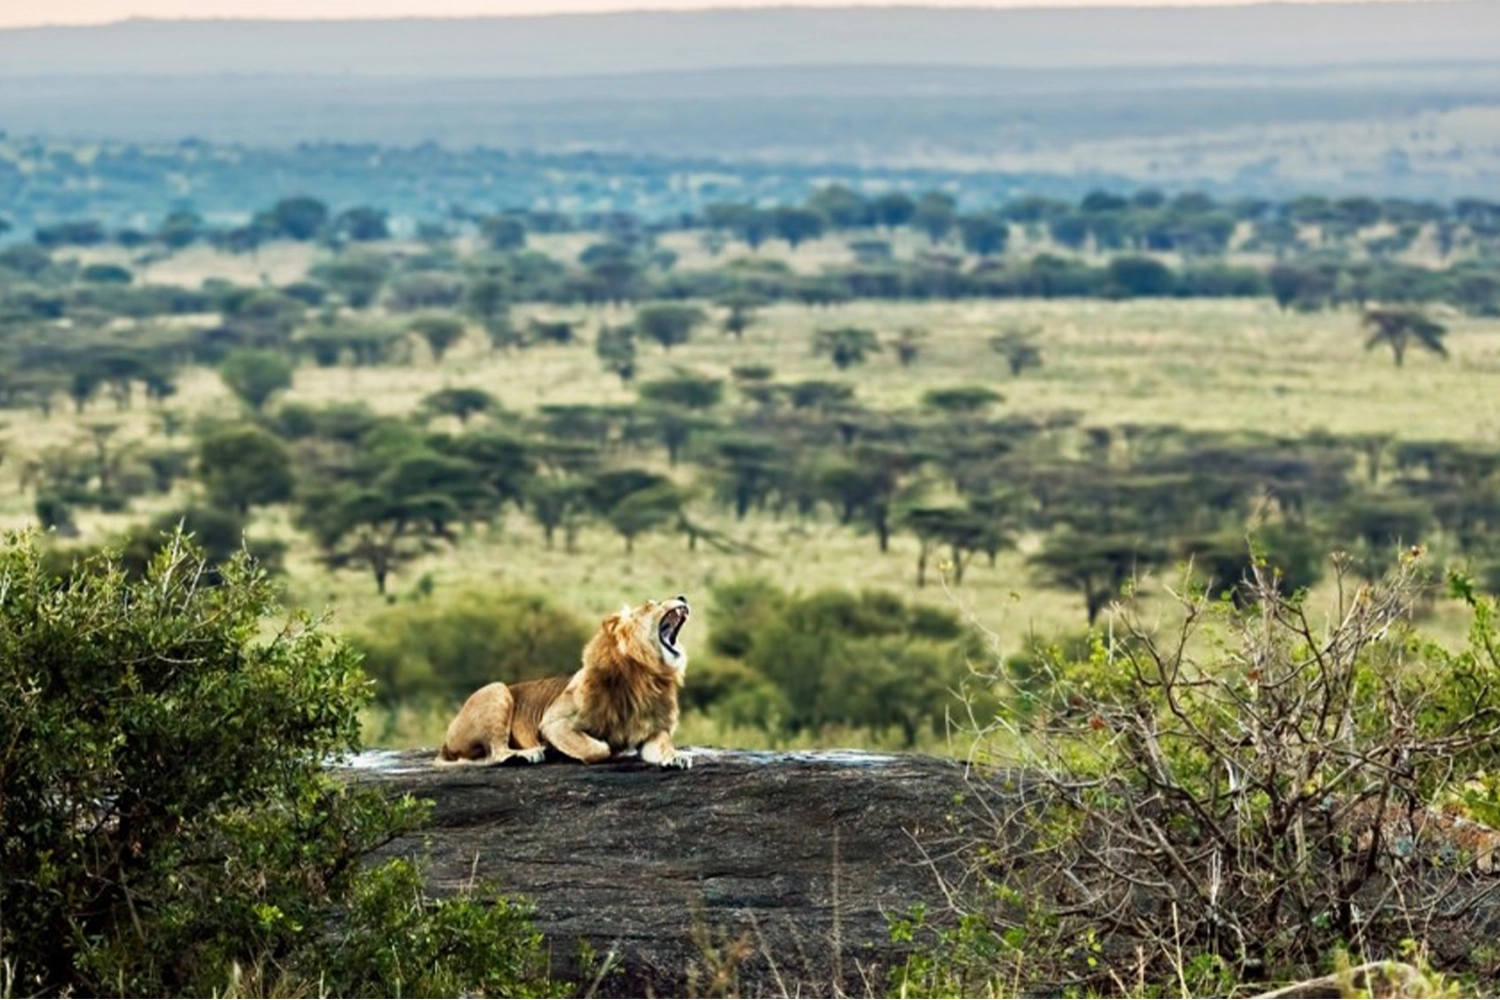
1334 34
1395 98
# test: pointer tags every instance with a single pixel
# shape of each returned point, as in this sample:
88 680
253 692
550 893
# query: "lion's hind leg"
480 733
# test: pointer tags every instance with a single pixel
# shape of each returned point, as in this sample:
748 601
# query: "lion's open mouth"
671 627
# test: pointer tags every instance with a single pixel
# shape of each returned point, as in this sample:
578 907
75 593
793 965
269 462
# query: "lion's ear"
624 611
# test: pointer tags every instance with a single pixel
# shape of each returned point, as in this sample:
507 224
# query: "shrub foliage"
167 814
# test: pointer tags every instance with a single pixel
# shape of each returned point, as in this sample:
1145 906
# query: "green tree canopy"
1399 329
299 218
244 466
463 402
256 376
1095 566
846 346
1019 349
689 391
439 330
669 323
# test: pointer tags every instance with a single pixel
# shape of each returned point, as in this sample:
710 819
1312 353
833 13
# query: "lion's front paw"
534 755
682 760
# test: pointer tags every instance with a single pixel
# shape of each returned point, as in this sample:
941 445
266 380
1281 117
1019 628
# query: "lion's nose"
682 599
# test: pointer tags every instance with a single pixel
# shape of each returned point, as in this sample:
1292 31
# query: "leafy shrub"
446 650
167 813
837 658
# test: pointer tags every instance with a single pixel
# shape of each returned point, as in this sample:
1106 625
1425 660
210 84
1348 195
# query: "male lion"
623 698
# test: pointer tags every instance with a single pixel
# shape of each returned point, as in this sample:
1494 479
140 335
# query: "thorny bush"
1239 797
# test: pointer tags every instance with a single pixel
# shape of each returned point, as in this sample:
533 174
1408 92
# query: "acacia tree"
244 466
908 345
1097 567
1399 329
645 510
440 331
615 348
415 502
462 402
669 323
965 532
256 376
1019 349
846 346
674 404
741 315
558 503
934 214
866 486
963 401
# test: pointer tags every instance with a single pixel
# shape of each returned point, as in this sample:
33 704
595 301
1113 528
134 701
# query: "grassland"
1227 365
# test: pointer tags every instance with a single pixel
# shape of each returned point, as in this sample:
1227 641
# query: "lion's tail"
447 757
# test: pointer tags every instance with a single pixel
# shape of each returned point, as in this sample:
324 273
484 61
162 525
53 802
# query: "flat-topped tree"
256 376
1399 329
440 331
362 223
1096 566
746 470
908 344
615 348
1018 346
846 346
669 323
686 390
463 402
645 510
503 463
297 218
934 214
356 277
865 486
984 234
797 225
503 232
673 405
741 314
964 531
558 503
966 402
487 300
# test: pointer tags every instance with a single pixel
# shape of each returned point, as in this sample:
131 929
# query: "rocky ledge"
780 870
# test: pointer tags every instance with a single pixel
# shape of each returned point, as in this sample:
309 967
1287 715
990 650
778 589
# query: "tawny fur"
624 697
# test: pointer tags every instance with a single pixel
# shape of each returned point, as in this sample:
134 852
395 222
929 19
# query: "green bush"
168 818
836 658
446 650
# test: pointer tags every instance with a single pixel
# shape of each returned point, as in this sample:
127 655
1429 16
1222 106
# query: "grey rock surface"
786 866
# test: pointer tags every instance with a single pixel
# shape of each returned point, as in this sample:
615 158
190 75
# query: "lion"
623 698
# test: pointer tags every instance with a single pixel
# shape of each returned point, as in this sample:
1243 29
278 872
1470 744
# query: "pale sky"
19 13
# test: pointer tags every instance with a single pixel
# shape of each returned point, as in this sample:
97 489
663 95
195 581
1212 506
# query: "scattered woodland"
917 460
383 417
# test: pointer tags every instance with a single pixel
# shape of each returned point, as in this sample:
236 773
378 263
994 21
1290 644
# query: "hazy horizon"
100 12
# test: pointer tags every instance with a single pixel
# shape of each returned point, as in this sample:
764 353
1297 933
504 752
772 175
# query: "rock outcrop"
762 872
